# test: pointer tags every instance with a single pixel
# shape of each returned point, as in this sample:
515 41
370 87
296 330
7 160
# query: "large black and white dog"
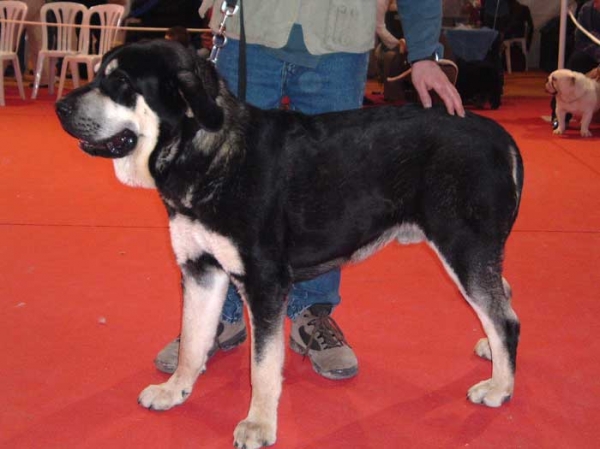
267 198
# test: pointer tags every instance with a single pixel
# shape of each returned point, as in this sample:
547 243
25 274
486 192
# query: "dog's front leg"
260 426
204 290
561 115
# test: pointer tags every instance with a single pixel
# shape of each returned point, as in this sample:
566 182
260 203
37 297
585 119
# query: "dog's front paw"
585 133
488 393
558 131
252 435
162 397
482 349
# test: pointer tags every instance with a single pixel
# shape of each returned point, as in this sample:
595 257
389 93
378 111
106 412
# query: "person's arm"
386 37
584 19
422 25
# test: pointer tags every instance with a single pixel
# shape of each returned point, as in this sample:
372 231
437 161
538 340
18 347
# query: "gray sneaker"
229 336
316 334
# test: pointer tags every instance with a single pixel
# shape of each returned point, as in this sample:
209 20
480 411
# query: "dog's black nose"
63 108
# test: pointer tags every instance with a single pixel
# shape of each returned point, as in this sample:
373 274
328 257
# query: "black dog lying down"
267 198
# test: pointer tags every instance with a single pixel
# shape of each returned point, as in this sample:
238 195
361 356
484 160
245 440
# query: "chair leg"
524 47
38 75
19 77
63 77
508 63
90 73
2 103
51 74
75 73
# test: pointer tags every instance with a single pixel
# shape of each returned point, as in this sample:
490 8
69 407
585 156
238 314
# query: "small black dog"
267 198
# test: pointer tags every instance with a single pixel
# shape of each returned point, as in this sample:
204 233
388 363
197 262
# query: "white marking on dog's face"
133 169
190 239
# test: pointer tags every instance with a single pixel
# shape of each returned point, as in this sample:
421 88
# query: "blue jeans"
337 83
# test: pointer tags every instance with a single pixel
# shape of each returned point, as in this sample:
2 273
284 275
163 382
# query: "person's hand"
427 75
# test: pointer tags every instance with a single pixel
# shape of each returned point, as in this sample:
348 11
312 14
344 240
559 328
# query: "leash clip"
228 8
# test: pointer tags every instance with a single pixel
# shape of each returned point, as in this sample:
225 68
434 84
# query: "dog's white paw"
253 435
585 133
483 350
162 397
557 131
488 393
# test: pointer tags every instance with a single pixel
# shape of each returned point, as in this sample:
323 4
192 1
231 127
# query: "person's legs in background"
311 91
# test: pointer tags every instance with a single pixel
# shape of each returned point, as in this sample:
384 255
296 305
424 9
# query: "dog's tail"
518 175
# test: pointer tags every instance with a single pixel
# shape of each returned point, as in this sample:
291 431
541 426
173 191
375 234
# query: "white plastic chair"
507 43
10 36
110 19
66 14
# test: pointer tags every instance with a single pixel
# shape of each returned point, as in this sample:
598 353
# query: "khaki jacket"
329 25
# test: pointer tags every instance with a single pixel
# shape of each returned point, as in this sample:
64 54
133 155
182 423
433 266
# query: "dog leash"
229 8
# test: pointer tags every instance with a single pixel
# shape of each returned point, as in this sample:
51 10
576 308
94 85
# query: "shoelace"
326 328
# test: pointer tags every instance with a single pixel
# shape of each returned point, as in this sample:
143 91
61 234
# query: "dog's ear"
203 105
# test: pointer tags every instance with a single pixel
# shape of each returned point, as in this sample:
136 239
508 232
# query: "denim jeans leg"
337 83
233 308
264 85
320 290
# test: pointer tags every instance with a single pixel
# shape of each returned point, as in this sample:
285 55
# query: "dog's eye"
118 86
121 78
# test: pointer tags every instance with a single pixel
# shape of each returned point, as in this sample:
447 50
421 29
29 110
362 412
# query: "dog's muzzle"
550 88
116 146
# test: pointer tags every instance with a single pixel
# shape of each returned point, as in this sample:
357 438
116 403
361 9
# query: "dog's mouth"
116 146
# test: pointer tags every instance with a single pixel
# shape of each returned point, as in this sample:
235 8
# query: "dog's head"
565 84
138 101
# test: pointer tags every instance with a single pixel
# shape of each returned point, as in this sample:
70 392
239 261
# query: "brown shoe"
229 336
316 334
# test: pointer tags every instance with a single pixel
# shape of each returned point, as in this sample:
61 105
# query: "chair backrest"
10 32
67 14
110 16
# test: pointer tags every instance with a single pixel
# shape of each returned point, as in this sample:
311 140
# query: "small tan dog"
575 93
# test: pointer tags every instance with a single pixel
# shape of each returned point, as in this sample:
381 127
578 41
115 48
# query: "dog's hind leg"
266 315
477 272
204 290
482 348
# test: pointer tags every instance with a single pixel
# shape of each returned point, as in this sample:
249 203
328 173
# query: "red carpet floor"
89 292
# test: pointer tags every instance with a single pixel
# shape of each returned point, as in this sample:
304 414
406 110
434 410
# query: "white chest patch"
190 239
